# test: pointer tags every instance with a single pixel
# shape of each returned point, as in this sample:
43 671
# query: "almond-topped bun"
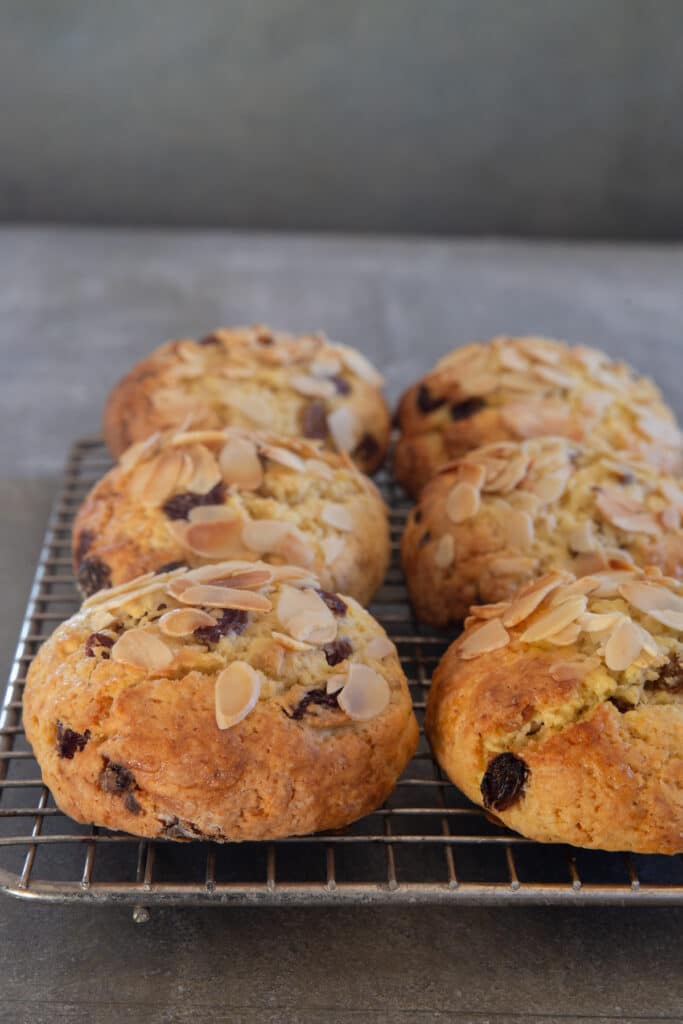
236 701
512 389
508 512
254 377
561 711
195 497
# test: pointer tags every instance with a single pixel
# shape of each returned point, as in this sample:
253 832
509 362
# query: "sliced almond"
240 465
610 582
473 473
483 639
210 514
519 529
488 611
337 515
219 538
670 518
224 597
247 579
319 468
290 643
504 566
572 671
255 408
305 616
284 457
673 620
649 597
143 650
530 596
139 451
550 487
672 491
582 539
444 552
315 387
325 365
623 646
511 359
205 471
365 693
268 536
332 548
335 683
566 636
462 503
379 647
294 548
358 364
584 585
184 621
237 692
599 622
551 375
658 428
554 620
344 427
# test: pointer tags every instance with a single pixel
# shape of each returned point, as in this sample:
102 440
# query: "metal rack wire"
427 844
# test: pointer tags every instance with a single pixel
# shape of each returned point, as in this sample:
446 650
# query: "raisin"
504 781
318 697
114 778
84 544
417 515
341 384
314 421
93 575
131 804
170 566
265 338
622 706
425 538
69 741
180 505
367 448
625 478
426 401
333 602
98 640
210 339
463 410
670 677
338 650
231 621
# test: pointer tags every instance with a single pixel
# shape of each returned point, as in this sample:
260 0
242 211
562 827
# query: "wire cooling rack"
427 844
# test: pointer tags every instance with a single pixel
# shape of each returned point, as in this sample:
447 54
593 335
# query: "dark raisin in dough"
314 421
98 640
231 621
318 697
115 778
93 575
333 602
463 410
85 540
338 650
69 741
341 384
426 401
367 447
504 781
180 505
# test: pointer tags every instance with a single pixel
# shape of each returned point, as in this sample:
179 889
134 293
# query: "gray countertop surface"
76 308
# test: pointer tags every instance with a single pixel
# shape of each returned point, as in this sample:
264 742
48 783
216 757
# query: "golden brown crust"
257 378
127 525
510 389
139 749
591 748
508 512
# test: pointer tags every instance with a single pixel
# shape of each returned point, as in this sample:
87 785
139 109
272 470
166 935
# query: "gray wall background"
531 117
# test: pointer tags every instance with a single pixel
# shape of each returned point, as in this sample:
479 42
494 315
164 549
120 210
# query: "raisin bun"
236 701
561 711
193 497
297 386
508 512
512 389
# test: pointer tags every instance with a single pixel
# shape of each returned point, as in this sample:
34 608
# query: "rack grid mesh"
427 844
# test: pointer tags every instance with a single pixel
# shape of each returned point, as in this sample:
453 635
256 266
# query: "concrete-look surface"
76 308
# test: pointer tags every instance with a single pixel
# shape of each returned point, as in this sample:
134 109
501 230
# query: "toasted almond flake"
530 596
673 620
335 683
512 566
550 487
657 428
224 597
572 671
550 375
379 647
290 643
526 502
504 473
639 523
237 691
649 597
671 491
240 465
623 646
210 514
650 645
473 473
582 539
139 451
488 611
462 503
293 574
247 579
554 620
257 409
337 515
365 693
489 637
511 359
584 585
670 518
143 650
325 365
332 548
358 364
219 538
305 616
537 418
319 468
444 552
184 437
315 387
184 621
284 457
610 582
344 427
295 549
265 535
596 622
236 372
540 350
205 471
565 637
519 529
